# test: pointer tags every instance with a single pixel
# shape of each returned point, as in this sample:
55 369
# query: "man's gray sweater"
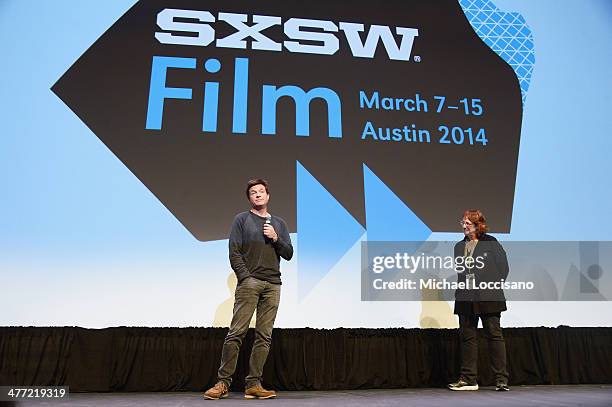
252 254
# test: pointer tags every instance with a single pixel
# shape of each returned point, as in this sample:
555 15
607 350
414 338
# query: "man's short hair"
257 181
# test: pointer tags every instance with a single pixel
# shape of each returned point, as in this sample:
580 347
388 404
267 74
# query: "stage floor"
580 395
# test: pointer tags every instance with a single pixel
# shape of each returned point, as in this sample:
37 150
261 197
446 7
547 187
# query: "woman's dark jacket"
469 302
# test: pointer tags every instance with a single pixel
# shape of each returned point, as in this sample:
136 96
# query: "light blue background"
83 242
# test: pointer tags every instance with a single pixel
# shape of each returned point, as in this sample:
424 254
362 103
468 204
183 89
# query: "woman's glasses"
465 224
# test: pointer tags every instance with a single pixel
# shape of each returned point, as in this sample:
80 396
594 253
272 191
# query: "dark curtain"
175 359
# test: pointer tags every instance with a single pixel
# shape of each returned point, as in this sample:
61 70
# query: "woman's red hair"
478 219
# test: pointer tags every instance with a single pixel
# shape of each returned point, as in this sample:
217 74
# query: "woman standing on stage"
489 265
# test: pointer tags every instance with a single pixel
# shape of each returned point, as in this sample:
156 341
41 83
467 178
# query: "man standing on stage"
257 242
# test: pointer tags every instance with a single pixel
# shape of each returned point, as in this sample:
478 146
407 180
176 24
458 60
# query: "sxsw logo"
308 36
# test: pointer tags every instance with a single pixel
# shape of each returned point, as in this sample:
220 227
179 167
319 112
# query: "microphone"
268 222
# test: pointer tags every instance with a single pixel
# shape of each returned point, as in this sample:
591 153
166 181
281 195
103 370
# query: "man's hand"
269 232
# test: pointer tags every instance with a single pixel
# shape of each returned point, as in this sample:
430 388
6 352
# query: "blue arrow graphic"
387 217
326 231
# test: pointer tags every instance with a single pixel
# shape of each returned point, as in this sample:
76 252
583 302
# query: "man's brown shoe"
258 392
218 391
